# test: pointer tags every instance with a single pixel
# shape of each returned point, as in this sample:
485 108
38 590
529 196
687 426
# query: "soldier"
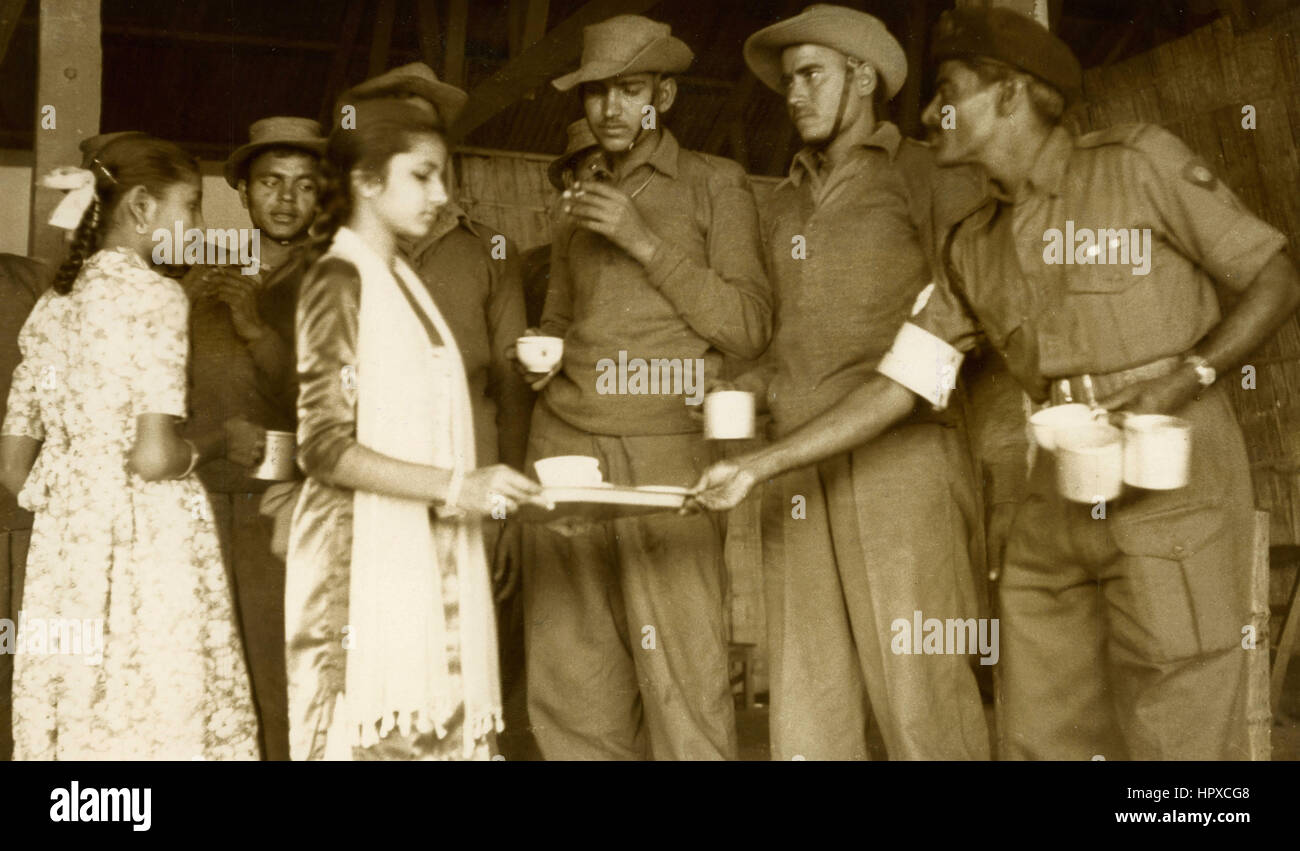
883 531
1122 628
242 366
627 650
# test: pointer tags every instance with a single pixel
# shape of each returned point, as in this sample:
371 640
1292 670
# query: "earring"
141 229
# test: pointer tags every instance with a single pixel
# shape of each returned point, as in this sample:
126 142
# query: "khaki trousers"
1122 636
624 628
849 547
257 578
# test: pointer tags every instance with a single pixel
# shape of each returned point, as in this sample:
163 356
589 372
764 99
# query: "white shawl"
413 404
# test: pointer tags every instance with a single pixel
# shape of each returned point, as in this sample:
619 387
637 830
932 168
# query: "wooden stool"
740 653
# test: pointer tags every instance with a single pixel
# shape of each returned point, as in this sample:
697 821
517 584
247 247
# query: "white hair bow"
79 183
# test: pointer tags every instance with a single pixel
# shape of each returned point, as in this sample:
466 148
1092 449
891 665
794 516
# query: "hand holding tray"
602 502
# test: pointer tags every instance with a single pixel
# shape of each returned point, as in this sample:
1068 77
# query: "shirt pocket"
1110 279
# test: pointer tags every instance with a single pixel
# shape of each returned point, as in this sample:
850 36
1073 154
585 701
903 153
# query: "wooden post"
1259 714
908 104
453 69
426 15
334 84
10 11
68 77
1286 643
381 37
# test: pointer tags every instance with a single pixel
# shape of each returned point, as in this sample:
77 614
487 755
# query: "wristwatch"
1205 373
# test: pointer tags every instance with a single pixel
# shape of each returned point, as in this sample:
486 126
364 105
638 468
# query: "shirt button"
1179 550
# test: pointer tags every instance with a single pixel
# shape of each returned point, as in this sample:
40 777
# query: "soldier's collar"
658 150
885 136
1048 172
450 216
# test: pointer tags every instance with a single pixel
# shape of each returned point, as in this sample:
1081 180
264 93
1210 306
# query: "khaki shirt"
848 253
703 293
1052 319
482 299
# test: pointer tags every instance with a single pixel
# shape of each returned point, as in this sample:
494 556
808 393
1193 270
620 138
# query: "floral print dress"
140 559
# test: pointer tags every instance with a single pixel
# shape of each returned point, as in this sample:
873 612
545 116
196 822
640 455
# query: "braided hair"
385 127
118 167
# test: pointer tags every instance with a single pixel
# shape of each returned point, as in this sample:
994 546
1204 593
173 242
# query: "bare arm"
856 419
1267 302
159 452
17 455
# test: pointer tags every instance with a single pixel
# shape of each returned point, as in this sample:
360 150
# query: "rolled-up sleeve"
1199 213
326 331
728 302
928 350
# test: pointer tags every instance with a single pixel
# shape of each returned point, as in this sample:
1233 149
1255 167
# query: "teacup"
568 471
539 354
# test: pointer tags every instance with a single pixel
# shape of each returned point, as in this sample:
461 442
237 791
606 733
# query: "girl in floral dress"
123 533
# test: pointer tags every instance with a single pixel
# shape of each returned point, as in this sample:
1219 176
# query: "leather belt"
1089 388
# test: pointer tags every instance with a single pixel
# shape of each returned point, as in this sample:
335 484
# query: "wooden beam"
271 42
10 12
426 18
334 84
68 79
381 37
557 52
453 69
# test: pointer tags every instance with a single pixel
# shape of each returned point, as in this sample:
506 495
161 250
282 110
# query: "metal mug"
1090 463
277 459
729 415
1157 451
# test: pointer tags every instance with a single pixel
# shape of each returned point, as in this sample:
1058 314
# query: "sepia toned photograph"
693 380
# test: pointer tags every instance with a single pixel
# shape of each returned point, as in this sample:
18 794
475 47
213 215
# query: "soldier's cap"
414 80
287 131
1009 37
627 44
581 140
92 145
849 31
399 114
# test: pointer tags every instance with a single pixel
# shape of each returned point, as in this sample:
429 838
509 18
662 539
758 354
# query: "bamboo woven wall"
1196 88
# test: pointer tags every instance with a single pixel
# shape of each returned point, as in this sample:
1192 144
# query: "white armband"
923 363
